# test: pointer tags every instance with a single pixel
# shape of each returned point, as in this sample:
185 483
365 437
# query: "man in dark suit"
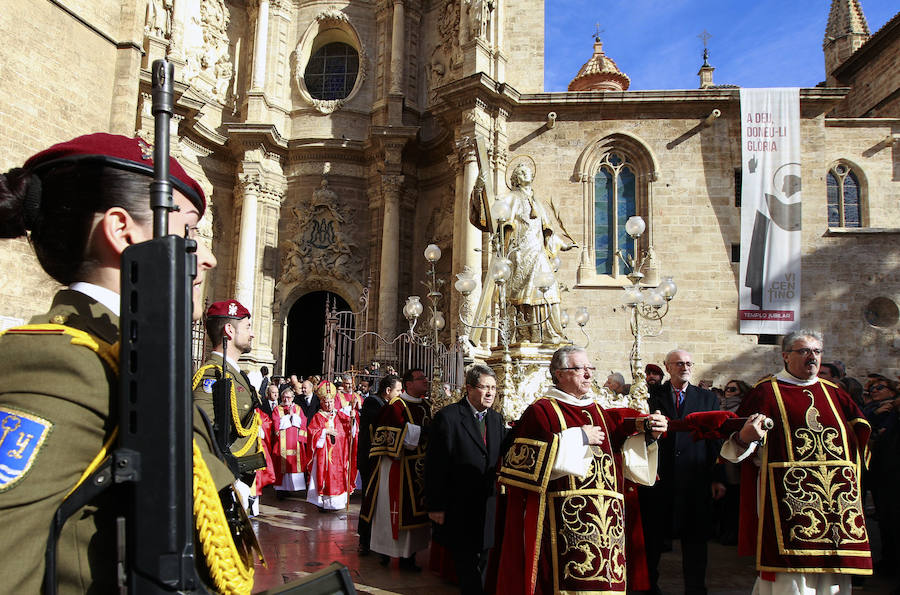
460 476
306 398
680 503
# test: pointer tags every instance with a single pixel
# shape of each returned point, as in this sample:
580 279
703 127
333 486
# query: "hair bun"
17 187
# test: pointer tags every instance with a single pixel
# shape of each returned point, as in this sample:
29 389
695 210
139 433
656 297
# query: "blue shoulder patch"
207 384
21 438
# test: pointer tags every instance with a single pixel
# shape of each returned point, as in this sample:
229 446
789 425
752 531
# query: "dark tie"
679 399
481 425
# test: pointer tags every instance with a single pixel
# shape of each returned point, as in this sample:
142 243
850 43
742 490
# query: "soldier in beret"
80 203
229 330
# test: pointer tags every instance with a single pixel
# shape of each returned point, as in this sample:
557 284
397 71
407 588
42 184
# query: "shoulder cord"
243 432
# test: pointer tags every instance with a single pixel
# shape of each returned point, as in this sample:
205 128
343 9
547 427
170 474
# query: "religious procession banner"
770 211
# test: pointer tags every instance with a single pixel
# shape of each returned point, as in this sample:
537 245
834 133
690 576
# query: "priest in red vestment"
289 451
332 453
565 525
801 510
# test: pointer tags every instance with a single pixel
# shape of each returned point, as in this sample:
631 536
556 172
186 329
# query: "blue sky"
762 43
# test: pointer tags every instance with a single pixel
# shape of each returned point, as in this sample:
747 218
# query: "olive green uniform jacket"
244 400
62 399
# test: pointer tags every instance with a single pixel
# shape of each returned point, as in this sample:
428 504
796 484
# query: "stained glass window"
331 72
614 203
844 196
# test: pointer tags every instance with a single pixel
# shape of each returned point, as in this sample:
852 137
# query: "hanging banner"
770 211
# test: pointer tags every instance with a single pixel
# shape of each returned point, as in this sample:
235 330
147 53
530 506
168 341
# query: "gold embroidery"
521 456
823 505
598 536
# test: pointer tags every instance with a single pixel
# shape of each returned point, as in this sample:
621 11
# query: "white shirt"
105 296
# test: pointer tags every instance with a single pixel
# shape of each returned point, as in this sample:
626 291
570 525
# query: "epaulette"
766 379
109 353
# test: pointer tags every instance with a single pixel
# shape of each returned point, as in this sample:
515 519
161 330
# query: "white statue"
530 243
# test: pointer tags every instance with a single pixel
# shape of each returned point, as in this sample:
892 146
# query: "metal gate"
350 347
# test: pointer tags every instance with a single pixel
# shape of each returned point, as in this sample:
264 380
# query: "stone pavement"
297 539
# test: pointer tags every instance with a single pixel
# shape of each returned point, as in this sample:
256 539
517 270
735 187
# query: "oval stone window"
331 72
882 312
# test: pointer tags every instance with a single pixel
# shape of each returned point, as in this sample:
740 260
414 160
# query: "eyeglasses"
486 388
582 369
682 364
806 351
731 389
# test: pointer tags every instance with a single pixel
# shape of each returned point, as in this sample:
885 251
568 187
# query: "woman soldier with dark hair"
81 204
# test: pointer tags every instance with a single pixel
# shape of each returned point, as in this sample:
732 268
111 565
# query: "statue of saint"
530 243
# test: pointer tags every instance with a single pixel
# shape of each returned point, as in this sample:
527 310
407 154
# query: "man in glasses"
461 476
680 504
565 525
811 527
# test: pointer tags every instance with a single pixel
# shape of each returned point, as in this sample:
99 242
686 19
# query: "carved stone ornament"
252 183
158 21
208 67
447 56
327 106
316 243
332 14
479 13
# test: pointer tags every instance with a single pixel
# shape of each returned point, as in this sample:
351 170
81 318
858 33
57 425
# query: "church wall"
523 44
694 222
873 83
61 86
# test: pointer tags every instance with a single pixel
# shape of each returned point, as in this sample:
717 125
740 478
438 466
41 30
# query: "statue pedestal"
522 377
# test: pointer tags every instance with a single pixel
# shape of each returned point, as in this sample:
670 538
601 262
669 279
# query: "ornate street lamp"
647 305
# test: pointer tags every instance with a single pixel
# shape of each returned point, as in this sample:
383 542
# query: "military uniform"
242 400
58 412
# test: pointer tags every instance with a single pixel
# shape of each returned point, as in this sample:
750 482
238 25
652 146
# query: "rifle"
155 425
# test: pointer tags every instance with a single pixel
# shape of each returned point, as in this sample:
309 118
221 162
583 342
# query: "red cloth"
265 476
809 492
290 453
333 463
705 425
574 541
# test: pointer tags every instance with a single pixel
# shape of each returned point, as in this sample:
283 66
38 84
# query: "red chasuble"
266 475
809 481
407 469
289 452
566 534
333 461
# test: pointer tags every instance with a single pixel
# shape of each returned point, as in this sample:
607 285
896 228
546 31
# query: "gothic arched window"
617 173
614 203
844 197
331 71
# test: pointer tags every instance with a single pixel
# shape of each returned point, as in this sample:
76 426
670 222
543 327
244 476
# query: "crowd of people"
574 496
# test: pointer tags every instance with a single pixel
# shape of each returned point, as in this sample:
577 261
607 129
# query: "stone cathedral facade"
335 140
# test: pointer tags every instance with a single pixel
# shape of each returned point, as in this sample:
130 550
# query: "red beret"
228 309
120 152
653 368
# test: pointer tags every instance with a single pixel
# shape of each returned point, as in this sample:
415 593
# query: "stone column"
398 36
388 287
261 48
471 236
249 187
